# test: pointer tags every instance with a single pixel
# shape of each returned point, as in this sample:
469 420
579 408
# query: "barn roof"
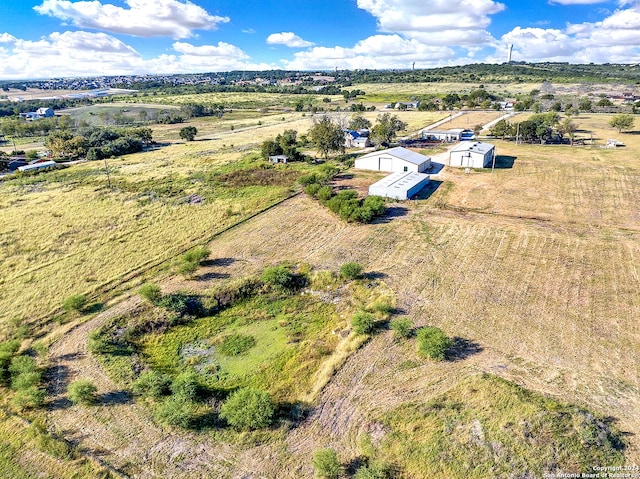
401 153
474 147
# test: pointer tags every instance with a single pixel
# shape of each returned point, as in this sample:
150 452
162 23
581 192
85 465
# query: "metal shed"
472 154
396 159
400 186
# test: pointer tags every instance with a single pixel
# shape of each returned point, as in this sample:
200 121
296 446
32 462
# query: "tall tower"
510 51
413 66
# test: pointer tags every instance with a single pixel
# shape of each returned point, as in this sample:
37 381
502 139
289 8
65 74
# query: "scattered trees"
622 122
568 128
386 128
327 136
286 143
359 122
188 133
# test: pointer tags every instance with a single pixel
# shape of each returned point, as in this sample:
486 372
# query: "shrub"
324 193
26 380
248 409
326 464
373 470
186 386
363 322
12 346
175 411
277 276
151 292
75 303
183 304
236 344
196 255
82 391
402 327
382 307
152 384
376 204
28 398
22 365
351 270
433 343
312 189
187 268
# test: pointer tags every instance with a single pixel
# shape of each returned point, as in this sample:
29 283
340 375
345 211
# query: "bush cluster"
25 377
247 409
346 203
82 391
433 343
190 261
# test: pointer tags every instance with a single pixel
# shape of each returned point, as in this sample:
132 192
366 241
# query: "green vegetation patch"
264 343
488 427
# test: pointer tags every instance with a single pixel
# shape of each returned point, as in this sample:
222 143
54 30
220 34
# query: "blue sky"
64 38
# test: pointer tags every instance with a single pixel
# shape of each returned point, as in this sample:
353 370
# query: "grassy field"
531 269
487 427
67 233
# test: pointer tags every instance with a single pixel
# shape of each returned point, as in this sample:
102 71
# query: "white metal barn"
400 186
472 154
394 160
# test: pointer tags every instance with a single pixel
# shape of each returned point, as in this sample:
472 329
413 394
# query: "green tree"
186 385
326 464
622 122
75 303
402 327
386 128
351 270
359 122
277 276
175 411
585 104
82 391
502 129
248 409
433 343
188 133
363 322
152 384
151 292
568 128
327 136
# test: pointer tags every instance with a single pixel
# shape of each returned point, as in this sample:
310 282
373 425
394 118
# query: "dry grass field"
532 268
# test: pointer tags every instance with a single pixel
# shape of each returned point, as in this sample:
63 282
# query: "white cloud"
289 39
224 50
377 51
143 18
437 22
614 39
90 54
7 38
577 2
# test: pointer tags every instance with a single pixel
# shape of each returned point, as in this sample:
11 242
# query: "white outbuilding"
472 154
400 186
394 160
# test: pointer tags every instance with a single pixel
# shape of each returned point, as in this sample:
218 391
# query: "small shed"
37 166
472 154
455 134
278 159
400 186
394 160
